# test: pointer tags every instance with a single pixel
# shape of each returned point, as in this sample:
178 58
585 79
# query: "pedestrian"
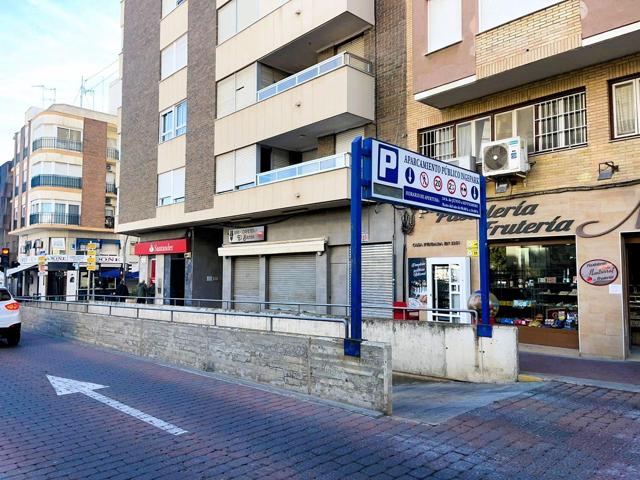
122 291
151 292
141 292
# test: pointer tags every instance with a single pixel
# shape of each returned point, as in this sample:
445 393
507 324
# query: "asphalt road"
236 431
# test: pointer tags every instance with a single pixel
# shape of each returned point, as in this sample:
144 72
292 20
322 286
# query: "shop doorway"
56 284
632 269
176 281
448 287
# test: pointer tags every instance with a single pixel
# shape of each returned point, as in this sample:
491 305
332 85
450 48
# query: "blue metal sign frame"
361 185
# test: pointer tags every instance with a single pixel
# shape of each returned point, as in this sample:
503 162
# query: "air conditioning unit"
108 202
466 161
505 157
109 168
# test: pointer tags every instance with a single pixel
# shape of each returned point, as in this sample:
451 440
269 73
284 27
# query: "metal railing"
113 153
40 302
322 68
57 143
50 180
54 218
109 222
111 188
251 307
324 164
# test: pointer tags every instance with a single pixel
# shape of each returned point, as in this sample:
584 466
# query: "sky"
54 43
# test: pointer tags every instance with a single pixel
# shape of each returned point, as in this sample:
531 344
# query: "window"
516 123
174 57
68 134
444 27
56 168
498 12
438 143
626 108
561 122
236 16
470 135
236 170
237 91
169 6
173 122
171 187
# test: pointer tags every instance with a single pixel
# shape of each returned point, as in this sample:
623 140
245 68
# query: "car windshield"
4 295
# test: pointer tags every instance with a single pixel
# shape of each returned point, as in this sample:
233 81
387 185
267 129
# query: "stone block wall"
310 365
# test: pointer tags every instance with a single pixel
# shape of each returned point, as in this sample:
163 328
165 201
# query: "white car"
10 324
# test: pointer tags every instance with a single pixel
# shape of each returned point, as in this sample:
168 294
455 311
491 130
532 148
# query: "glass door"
448 284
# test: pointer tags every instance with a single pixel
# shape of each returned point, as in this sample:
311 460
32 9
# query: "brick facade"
141 72
540 35
201 88
94 170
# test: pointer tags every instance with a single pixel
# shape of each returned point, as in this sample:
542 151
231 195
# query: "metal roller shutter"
246 282
292 279
377 278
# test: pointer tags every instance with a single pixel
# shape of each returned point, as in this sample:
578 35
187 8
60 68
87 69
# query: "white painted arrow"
66 386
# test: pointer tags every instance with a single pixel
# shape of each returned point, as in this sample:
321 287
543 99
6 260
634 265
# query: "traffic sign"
91 267
392 175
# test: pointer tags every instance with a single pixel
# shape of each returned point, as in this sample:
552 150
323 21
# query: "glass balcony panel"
324 164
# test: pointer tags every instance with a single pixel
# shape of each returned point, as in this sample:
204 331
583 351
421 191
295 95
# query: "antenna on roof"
51 94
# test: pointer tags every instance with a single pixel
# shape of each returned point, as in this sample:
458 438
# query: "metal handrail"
113 153
344 322
111 188
51 180
54 218
188 303
57 143
315 71
318 165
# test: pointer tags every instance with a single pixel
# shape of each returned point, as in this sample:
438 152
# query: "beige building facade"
65 168
563 76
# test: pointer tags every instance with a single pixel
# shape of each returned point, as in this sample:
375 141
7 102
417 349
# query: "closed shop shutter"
292 279
377 279
344 139
246 282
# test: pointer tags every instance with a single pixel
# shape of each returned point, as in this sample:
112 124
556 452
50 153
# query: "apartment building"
236 128
564 198
64 198
6 195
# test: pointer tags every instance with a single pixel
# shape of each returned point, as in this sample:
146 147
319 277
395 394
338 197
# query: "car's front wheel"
13 336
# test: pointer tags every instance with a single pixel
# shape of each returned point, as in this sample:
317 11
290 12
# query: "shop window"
438 143
626 108
536 286
444 27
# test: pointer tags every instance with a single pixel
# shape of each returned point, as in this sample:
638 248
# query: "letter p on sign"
387 164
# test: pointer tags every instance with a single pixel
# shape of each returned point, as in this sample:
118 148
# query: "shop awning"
20 268
110 273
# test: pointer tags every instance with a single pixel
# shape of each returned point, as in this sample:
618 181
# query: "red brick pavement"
235 431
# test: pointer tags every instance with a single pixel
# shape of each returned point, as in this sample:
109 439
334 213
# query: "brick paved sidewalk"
235 431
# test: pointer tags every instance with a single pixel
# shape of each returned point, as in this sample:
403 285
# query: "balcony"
56 181
332 96
290 37
56 143
54 218
113 153
326 164
111 188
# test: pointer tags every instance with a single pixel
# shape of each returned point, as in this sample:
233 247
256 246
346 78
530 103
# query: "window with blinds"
561 122
626 108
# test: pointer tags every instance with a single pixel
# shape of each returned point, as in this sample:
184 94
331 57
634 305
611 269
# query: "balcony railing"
56 181
57 143
324 164
315 71
113 153
111 188
109 222
54 218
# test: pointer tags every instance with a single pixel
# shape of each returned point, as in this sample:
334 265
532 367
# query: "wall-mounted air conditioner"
505 157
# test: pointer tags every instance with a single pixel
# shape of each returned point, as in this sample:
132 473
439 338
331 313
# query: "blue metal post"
352 344
484 329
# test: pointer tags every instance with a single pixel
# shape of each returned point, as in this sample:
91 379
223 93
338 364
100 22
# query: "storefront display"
536 286
633 260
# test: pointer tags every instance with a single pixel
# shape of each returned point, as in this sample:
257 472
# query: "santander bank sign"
162 247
